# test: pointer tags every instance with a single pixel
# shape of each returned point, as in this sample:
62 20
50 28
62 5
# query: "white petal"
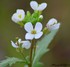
22 17
38 27
29 36
42 6
14 45
28 27
15 18
26 44
34 5
19 41
41 16
38 35
22 13
51 21
54 27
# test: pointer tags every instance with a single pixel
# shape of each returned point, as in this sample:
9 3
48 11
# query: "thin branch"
23 56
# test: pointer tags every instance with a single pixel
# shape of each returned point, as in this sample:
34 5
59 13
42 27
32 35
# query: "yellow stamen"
33 32
20 16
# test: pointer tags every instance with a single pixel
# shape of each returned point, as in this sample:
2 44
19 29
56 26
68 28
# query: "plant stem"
31 53
23 56
34 50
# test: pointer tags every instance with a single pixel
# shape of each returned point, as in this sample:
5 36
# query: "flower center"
20 16
33 32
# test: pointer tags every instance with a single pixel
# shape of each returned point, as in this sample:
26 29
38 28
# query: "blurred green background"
60 47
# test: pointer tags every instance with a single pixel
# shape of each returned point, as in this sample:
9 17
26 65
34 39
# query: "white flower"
26 44
18 16
33 33
34 5
52 24
15 45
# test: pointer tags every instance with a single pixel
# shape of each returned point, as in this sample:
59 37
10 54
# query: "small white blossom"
26 44
33 33
15 45
35 6
18 16
52 24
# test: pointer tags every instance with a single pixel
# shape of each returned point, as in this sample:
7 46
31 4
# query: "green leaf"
9 61
43 46
38 64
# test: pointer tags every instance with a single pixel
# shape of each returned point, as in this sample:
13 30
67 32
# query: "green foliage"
33 18
38 64
9 61
43 47
27 17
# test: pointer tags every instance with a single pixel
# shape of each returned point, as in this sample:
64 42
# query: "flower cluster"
32 24
27 21
31 48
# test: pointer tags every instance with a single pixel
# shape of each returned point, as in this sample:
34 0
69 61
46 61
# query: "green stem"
23 56
34 49
31 53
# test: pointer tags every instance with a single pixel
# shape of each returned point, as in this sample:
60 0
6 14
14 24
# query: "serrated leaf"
43 46
10 61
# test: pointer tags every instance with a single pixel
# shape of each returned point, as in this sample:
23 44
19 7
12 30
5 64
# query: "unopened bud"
41 16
